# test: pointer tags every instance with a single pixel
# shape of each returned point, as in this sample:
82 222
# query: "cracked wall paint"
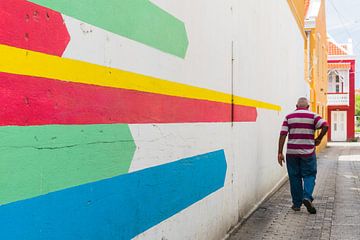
117 208
36 160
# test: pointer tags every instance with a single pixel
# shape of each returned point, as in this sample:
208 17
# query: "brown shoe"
296 209
310 208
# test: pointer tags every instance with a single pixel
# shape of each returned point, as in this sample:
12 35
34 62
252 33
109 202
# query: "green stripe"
35 160
139 20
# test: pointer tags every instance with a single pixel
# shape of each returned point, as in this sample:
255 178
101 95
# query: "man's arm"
282 139
324 130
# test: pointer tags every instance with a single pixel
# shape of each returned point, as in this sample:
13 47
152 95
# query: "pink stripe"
283 133
285 124
38 101
301 136
324 124
299 146
301 125
318 118
300 115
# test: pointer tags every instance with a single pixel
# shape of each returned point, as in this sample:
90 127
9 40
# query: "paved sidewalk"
337 200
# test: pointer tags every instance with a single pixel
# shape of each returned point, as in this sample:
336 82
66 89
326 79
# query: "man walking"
300 126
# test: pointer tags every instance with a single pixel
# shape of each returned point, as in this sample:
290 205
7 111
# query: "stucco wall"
350 110
155 127
319 69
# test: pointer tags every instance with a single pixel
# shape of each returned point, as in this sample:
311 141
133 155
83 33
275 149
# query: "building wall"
318 68
145 120
349 109
299 8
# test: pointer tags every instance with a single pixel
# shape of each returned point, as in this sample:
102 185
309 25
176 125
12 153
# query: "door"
338 126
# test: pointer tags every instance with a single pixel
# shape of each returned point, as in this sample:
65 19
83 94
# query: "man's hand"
281 159
282 139
324 130
317 141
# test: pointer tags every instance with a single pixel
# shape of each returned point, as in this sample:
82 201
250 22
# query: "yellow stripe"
30 63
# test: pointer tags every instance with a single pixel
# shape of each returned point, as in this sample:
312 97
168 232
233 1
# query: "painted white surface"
267 66
338 99
267 49
338 125
91 44
158 144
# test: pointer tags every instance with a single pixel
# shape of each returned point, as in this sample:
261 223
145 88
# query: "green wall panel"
35 160
139 20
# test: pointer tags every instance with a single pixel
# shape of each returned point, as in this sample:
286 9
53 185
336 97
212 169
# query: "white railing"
338 99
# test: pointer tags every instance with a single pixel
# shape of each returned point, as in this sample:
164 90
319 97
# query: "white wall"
268 66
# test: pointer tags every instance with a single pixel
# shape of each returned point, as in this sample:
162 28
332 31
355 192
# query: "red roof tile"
334 49
339 65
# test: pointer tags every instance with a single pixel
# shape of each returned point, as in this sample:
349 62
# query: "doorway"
338 125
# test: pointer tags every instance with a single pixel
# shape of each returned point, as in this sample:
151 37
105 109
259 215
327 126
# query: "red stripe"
285 124
324 124
300 115
27 25
317 119
301 125
299 146
283 133
36 101
301 136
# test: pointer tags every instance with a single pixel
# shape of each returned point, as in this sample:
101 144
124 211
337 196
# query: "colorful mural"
139 20
68 120
39 159
115 208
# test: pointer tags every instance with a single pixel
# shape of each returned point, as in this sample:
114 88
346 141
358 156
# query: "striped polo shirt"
300 127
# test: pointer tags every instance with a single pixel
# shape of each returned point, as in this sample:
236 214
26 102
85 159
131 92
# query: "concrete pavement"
337 200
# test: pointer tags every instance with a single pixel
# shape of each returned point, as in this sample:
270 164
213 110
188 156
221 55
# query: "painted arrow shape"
36 160
30 26
38 101
139 20
116 208
30 63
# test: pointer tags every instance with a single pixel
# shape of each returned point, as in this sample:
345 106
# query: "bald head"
302 103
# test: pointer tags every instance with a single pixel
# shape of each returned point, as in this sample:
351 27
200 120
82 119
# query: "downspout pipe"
308 55
309 80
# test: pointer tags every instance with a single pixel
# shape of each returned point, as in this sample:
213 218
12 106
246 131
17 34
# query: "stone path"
337 200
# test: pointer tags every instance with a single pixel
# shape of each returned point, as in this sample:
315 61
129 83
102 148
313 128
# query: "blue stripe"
117 208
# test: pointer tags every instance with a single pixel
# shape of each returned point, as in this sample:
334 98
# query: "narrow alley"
337 199
161 120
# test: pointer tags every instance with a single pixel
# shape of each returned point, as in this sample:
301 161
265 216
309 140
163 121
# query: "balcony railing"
338 99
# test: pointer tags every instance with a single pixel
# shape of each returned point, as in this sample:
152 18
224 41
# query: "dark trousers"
302 174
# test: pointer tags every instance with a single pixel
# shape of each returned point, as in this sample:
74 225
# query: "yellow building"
316 56
311 19
298 9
